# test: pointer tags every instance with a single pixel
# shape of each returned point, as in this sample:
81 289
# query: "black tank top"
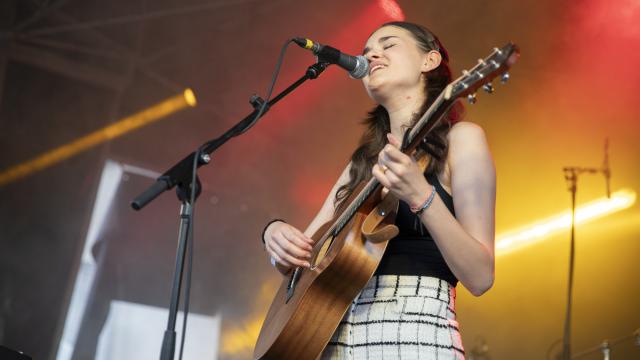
413 251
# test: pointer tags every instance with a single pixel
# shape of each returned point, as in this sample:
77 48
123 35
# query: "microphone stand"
571 174
181 175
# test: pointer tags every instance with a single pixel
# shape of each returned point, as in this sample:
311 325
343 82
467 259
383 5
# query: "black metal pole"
169 341
566 339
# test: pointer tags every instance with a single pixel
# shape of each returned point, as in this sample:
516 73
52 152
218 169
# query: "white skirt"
399 317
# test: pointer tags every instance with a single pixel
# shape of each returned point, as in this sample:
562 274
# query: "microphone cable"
196 158
276 72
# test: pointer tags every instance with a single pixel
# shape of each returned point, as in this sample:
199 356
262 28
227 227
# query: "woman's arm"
328 208
286 244
467 240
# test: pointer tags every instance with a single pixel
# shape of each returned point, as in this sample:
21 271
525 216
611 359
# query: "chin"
375 91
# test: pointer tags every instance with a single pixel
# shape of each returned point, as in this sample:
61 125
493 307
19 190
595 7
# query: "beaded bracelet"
419 209
265 229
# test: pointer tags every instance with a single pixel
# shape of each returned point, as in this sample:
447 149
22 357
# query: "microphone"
357 66
606 170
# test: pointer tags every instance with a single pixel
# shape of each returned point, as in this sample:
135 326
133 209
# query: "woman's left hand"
401 174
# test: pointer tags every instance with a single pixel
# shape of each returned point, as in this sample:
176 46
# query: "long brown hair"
378 125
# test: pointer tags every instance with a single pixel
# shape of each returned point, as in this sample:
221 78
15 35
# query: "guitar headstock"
482 75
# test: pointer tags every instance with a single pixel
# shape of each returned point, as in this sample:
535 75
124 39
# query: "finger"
382 166
393 140
283 257
304 237
288 257
388 179
283 262
382 157
392 154
393 177
395 166
277 257
294 246
377 172
383 160
297 240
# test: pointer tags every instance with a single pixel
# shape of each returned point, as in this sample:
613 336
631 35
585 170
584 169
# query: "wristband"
419 209
265 229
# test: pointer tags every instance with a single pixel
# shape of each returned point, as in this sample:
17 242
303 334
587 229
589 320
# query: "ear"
432 60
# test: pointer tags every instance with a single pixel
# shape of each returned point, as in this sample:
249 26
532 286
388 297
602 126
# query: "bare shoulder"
466 136
466 131
468 144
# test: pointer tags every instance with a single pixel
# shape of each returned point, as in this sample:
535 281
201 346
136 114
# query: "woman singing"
446 214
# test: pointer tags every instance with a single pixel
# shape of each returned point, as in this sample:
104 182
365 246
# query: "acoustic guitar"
311 302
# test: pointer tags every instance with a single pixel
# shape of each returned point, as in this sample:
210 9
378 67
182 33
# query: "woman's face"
396 63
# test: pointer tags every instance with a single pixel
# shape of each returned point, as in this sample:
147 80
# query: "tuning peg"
488 88
504 78
471 98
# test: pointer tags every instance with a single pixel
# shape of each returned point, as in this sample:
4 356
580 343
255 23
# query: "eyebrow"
381 40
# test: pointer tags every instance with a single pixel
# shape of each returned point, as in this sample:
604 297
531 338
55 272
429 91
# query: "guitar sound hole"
324 250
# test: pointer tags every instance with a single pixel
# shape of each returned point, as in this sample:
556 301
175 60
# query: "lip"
376 66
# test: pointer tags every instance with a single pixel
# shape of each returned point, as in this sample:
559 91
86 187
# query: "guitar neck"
419 131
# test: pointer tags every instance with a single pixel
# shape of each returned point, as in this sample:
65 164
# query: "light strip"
121 127
515 239
110 181
85 277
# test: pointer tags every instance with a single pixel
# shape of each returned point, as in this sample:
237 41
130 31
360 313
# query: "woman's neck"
401 111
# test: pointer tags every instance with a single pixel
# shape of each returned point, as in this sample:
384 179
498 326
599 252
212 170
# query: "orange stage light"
121 127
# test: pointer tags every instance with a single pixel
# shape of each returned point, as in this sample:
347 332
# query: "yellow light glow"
239 339
515 239
119 128
190 97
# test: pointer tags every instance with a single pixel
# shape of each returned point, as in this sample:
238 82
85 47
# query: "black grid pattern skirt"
399 317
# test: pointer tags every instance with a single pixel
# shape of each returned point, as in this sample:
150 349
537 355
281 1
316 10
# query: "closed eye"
388 46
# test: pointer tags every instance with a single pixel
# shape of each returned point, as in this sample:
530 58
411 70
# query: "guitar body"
300 327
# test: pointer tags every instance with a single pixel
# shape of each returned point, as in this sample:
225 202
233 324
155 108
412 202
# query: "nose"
373 54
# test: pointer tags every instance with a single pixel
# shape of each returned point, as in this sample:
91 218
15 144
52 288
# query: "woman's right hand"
288 246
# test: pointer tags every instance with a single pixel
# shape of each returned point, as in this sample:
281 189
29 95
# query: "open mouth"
377 67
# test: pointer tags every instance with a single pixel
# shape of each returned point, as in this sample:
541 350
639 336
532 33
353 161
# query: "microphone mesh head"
361 69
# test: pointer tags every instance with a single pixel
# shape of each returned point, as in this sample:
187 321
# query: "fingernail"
307 264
